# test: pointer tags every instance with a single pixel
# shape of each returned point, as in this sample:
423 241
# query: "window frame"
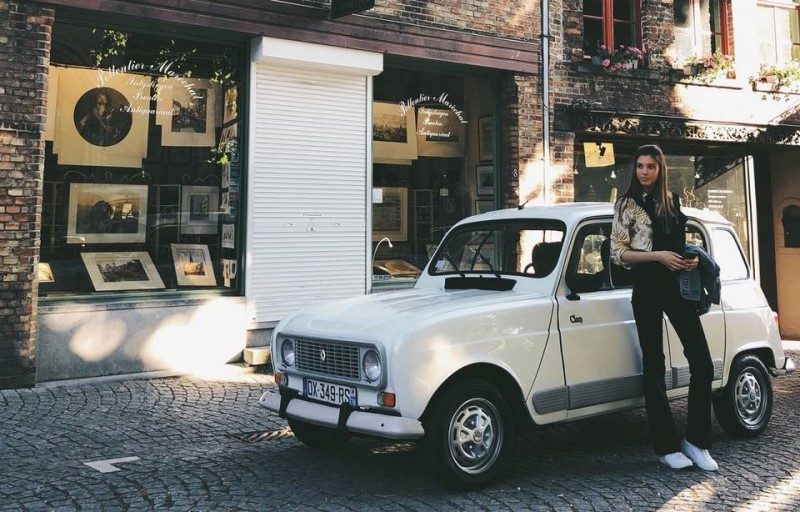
698 33
773 7
579 236
608 22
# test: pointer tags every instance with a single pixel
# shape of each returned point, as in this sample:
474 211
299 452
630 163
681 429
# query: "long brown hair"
664 205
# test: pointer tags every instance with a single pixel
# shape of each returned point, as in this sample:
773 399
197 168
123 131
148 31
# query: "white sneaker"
699 456
676 460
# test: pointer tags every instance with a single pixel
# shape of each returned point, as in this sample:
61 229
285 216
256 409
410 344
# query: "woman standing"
649 234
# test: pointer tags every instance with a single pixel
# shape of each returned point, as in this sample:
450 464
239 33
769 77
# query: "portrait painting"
116 271
390 217
186 111
102 118
393 134
199 209
193 265
106 213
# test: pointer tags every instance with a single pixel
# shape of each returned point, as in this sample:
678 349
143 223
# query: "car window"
728 256
588 263
695 237
529 248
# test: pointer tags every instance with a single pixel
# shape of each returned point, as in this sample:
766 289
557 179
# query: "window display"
705 178
142 173
433 146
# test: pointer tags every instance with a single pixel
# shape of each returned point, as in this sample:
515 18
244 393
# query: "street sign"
340 8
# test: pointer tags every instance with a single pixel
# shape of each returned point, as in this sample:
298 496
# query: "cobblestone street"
184 433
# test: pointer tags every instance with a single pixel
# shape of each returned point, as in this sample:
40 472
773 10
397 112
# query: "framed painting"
193 265
186 111
484 180
102 213
390 217
199 210
394 139
440 133
102 118
485 138
117 271
44 273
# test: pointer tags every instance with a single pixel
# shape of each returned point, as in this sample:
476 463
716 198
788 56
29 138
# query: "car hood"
380 316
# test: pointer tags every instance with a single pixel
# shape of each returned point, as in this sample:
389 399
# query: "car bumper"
359 422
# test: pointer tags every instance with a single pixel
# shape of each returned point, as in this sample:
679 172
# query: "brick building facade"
108 334
25 49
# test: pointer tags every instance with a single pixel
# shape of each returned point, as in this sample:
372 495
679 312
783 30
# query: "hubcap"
750 402
476 435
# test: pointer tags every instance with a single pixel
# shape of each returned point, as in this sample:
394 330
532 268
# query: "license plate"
331 393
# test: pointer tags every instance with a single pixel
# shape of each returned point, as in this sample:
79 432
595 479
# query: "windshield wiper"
450 260
488 264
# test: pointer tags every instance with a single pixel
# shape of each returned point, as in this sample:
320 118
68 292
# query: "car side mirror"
573 285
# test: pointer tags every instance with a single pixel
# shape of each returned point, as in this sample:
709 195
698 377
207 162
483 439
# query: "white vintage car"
520 319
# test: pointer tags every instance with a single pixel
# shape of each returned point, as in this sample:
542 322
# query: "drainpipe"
545 94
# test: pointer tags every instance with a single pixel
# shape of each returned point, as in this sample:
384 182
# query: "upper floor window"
611 23
700 27
778 34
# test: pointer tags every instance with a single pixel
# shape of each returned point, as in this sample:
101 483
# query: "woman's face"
647 171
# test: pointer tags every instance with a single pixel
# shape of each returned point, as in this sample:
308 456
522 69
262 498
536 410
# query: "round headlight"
372 365
287 352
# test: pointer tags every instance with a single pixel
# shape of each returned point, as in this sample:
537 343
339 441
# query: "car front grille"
341 360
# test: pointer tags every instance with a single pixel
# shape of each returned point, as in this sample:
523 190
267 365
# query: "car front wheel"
744 406
468 434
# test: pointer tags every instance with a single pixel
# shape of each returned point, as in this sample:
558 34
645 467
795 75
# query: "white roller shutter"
307 204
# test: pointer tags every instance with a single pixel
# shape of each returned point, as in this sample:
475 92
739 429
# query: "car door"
713 326
602 358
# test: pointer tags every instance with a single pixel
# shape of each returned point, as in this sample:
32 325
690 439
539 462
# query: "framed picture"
484 180
44 273
229 270
116 271
483 206
102 118
230 107
193 265
440 133
101 213
394 139
485 138
390 217
228 236
199 210
186 110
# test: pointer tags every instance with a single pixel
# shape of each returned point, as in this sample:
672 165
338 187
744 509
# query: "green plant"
620 58
782 75
709 68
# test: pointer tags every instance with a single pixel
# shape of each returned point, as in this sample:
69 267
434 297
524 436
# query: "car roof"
572 213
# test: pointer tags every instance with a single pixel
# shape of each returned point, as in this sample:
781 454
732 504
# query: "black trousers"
650 302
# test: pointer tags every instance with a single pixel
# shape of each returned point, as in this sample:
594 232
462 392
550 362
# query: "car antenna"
520 207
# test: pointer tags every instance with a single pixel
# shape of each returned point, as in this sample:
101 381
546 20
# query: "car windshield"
522 248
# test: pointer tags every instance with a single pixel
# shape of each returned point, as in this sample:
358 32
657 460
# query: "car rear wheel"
316 436
468 434
744 406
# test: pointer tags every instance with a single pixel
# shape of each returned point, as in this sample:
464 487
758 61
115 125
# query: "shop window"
433 165
704 178
142 175
791 226
700 27
611 23
778 34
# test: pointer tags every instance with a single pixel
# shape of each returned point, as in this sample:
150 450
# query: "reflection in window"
699 27
728 256
778 34
611 23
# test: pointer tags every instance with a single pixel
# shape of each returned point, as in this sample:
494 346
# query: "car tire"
468 434
317 436
744 406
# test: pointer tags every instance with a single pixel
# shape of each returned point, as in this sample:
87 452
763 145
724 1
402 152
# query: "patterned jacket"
632 230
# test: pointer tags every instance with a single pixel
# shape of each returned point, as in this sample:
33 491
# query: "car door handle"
575 319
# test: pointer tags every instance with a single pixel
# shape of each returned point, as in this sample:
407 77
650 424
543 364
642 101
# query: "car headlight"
287 352
372 365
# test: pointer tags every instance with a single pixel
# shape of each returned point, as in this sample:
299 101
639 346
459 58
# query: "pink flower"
602 47
606 63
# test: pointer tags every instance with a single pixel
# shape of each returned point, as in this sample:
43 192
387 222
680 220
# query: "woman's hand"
671 260
691 264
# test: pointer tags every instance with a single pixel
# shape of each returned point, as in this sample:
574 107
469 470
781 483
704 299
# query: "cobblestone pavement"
181 429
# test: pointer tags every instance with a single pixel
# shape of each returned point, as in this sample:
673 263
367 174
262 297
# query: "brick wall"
25 30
